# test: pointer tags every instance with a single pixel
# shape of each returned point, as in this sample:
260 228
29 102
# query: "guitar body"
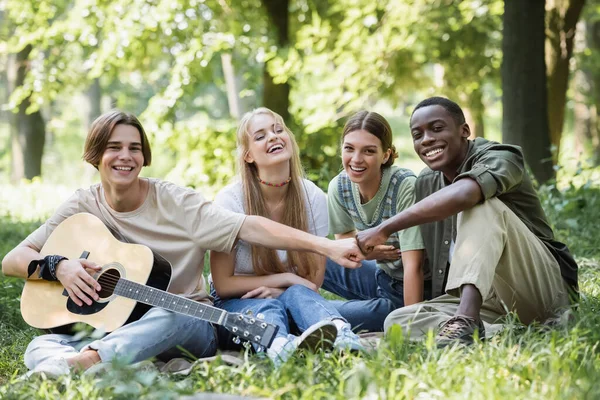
46 305
132 279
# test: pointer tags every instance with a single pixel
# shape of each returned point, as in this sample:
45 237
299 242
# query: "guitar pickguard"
85 309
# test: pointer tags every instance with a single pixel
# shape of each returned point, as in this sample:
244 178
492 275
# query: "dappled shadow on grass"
575 217
534 362
13 231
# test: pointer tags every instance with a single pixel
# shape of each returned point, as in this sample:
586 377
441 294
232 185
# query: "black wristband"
47 267
51 264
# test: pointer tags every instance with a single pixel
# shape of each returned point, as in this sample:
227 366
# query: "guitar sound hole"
108 280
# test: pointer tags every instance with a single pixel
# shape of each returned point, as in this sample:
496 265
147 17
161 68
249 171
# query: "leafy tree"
26 122
464 38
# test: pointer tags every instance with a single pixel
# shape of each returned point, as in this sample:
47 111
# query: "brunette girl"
368 191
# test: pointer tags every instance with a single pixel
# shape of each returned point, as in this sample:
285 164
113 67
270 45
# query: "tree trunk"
476 111
277 96
593 75
28 132
232 93
524 96
94 98
582 113
562 17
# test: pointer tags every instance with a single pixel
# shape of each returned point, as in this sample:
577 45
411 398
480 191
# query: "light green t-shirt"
340 220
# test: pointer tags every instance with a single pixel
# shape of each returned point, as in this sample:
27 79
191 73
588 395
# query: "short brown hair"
100 132
376 125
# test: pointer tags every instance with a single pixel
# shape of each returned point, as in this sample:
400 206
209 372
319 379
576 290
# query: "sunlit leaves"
162 57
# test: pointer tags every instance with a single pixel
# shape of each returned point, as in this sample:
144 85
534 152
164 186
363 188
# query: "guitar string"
112 282
115 281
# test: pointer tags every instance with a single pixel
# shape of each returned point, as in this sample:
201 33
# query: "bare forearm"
239 285
319 277
346 235
413 287
438 206
15 263
261 231
413 276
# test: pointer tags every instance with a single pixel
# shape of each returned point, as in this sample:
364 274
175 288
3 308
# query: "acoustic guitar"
132 279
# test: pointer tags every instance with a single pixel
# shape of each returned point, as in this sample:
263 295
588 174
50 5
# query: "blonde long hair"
265 261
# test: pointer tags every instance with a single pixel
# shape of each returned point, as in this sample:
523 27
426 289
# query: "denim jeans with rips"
296 309
158 333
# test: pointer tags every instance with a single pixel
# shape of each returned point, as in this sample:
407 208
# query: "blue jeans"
297 304
371 293
158 333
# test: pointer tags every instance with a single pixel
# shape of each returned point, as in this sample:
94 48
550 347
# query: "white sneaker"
281 350
52 368
319 336
347 340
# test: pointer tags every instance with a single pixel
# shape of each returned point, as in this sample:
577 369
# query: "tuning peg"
260 316
249 313
236 340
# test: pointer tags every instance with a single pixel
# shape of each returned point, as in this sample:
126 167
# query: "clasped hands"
371 244
366 245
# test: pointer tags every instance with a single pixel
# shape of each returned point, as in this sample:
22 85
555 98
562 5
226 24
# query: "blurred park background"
526 72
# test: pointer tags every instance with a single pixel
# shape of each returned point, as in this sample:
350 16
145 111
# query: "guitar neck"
159 298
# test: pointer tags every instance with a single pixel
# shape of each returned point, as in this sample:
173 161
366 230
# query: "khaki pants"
512 269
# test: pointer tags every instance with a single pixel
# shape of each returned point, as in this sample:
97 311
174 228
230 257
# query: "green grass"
535 362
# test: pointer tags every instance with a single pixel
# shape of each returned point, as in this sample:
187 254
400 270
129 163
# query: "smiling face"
123 158
269 142
439 140
363 156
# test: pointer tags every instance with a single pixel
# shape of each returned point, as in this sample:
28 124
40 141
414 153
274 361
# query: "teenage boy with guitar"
175 222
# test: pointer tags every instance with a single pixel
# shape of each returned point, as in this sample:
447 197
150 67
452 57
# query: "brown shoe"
459 329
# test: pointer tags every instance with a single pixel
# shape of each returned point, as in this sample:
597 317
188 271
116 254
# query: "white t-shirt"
232 198
177 223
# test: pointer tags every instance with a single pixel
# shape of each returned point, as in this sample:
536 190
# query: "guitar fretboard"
155 297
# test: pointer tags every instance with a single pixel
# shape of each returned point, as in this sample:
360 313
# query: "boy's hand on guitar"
74 275
384 252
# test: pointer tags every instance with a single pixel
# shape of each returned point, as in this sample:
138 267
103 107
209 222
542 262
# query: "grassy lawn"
536 362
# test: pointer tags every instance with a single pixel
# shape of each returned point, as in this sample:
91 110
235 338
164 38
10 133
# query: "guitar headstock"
251 328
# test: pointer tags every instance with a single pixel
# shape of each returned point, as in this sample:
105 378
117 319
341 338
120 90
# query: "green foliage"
575 210
522 363
161 59
15 334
